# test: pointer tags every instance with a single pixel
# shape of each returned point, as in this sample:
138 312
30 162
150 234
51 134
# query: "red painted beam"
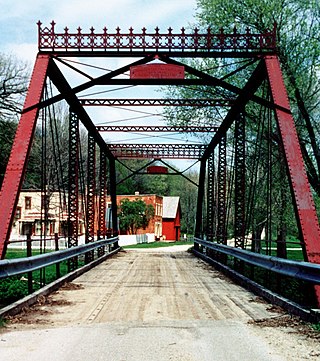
157 71
17 163
307 216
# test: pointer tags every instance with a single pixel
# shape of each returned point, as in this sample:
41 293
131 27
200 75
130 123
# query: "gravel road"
152 305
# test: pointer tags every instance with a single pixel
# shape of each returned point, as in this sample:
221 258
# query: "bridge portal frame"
261 48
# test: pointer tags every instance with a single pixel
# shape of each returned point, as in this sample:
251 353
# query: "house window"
44 227
45 199
158 209
27 228
18 213
27 202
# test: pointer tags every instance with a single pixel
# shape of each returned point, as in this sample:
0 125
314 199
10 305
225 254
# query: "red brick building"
167 215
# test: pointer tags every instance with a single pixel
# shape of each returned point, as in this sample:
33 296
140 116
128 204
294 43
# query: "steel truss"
222 192
102 200
91 188
240 181
172 151
154 128
211 199
199 215
157 102
73 194
102 194
148 46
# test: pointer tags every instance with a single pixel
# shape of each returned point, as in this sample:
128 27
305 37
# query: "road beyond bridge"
154 305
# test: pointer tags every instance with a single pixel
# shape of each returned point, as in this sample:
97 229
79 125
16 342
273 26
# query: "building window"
43 227
158 209
27 202
27 228
45 200
18 213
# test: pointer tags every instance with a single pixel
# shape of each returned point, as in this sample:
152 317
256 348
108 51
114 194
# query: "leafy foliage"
134 215
298 28
12 289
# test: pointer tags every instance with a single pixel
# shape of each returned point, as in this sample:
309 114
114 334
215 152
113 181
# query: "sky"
18 36
18 18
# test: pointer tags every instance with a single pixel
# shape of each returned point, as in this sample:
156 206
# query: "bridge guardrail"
305 271
13 267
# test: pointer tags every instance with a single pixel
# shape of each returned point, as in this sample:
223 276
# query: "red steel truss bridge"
252 142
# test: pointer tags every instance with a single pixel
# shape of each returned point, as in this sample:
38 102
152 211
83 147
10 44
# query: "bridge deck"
154 305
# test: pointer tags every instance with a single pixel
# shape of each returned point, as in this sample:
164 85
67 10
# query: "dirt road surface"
162 304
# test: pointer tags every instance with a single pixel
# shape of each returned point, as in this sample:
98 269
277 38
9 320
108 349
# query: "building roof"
170 207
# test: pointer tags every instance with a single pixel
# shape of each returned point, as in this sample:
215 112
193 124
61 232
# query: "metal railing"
13 267
305 271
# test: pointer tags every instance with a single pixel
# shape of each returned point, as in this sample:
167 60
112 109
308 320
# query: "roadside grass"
16 287
316 326
159 244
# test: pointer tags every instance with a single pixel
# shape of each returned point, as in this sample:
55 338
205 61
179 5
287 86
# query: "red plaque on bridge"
157 71
157 169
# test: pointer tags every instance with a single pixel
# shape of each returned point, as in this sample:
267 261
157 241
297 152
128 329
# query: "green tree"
134 215
298 29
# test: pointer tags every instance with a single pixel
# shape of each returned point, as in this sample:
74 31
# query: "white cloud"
18 35
18 21
25 51
124 13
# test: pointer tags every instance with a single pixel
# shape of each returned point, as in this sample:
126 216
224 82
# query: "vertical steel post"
91 188
302 196
210 200
20 151
102 200
56 248
221 201
240 181
113 196
199 214
29 254
73 194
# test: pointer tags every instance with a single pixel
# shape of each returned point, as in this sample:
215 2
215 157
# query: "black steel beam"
67 93
255 80
162 81
239 181
153 52
172 151
113 195
211 201
156 102
73 186
91 191
199 214
87 84
152 128
213 81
